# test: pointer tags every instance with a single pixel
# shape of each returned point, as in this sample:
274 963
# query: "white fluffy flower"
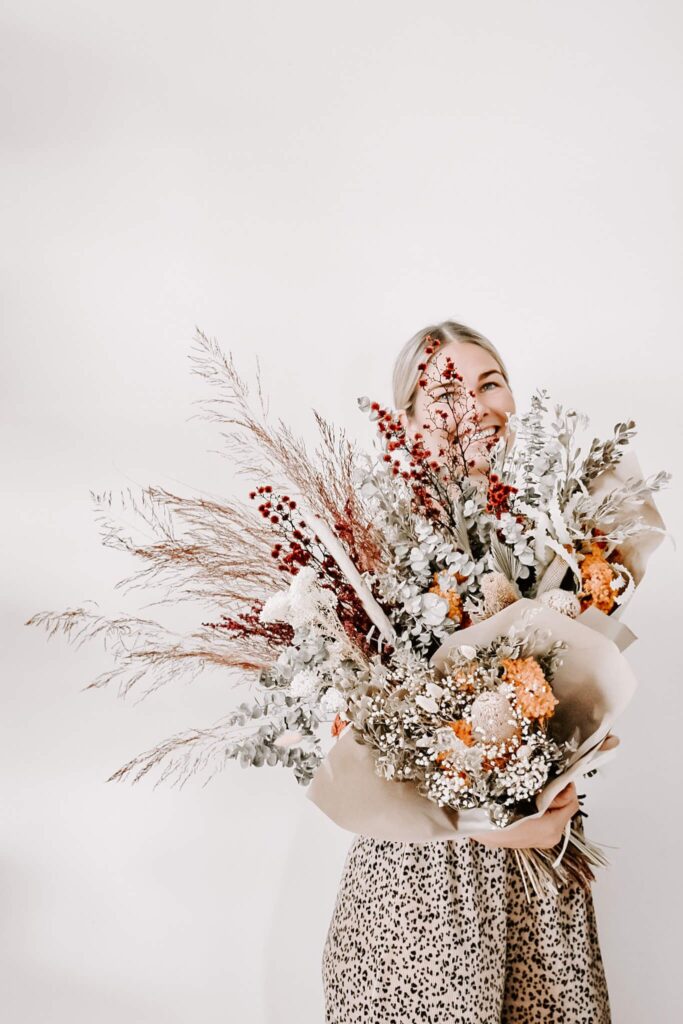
302 603
562 601
305 683
276 608
332 701
498 591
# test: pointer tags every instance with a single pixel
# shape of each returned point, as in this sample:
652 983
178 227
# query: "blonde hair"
406 373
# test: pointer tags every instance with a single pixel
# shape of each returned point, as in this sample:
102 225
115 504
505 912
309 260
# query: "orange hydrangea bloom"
534 695
596 577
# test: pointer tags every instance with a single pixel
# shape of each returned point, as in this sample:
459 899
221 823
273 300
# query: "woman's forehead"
466 356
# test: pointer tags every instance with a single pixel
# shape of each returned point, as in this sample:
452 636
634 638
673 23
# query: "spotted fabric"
442 932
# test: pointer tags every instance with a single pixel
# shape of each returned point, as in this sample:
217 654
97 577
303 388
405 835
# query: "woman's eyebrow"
446 383
482 376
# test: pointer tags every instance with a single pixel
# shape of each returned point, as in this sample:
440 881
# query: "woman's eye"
490 384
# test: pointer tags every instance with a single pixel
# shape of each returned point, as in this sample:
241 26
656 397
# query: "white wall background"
315 182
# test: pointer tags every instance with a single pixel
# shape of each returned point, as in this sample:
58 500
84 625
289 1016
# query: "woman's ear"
402 418
406 422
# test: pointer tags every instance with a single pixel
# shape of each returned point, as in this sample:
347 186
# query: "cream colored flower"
498 591
305 683
454 609
563 601
332 701
492 717
302 603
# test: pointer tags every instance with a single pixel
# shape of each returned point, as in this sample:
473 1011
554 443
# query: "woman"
442 931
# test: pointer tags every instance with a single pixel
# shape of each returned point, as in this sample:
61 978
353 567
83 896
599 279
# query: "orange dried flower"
596 577
463 730
534 695
496 762
454 606
338 725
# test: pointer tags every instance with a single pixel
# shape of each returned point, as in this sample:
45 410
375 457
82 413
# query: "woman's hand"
543 832
547 830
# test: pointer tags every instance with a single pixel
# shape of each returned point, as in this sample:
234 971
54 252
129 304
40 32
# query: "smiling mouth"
485 434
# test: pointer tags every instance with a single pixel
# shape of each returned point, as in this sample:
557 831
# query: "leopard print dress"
442 933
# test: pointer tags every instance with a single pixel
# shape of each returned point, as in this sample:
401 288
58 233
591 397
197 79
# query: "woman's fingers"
557 817
564 797
609 742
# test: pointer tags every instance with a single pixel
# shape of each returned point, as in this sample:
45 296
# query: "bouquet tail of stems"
545 871
430 621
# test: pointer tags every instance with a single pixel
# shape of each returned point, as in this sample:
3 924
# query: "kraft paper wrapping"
593 685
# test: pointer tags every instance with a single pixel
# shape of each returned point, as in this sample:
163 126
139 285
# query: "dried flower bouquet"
340 588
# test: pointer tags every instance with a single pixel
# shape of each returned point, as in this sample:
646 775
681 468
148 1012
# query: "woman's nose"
479 404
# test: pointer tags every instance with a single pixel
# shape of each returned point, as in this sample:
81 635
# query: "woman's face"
492 402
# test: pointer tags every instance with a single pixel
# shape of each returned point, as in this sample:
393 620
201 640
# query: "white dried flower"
288 738
302 603
444 740
276 608
562 601
498 591
305 683
434 690
332 701
468 651
492 717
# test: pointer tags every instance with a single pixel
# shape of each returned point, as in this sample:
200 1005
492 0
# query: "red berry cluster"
421 463
447 372
279 512
498 496
249 624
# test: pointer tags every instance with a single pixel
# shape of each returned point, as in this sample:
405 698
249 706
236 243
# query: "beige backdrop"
313 182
